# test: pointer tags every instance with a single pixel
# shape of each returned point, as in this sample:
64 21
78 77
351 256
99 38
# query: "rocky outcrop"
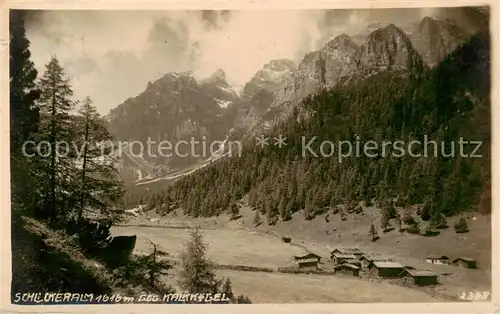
435 38
387 48
319 69
270 78
260 92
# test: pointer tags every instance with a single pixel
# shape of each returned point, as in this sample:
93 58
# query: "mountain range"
178 107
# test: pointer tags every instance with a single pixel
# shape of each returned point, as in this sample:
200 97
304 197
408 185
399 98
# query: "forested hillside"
444 104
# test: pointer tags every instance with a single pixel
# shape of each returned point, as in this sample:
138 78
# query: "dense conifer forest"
445 104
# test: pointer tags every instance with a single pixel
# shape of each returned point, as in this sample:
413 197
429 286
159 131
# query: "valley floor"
239 243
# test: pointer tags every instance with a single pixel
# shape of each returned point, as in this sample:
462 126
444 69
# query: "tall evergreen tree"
197 274
98 176
56 126
24 115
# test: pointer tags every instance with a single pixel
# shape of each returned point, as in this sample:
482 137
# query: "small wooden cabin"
422 277
367 260
309 261
436 259
465 262
387 269
338 258
347 269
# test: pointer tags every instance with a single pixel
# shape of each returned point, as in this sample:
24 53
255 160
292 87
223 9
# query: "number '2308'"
474 296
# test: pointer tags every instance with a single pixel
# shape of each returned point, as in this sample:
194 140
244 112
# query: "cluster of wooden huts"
353 262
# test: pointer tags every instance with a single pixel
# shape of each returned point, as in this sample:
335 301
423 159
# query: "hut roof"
437 257
342 255
467 259
351 266
307 256
384 264
421 273
348 251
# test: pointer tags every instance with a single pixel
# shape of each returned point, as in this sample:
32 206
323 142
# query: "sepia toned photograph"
250 156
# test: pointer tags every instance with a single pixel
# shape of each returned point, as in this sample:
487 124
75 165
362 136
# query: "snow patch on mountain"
223 103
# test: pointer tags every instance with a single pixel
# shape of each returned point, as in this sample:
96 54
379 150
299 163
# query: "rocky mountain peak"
388 34
217 78
387 48
340 49
280 65
343 40
434 38
270 78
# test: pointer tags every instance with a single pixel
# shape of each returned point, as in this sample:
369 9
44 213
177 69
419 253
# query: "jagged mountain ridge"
177 107
275 89
342 60
173 108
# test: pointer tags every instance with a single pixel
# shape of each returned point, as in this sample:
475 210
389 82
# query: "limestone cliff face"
387 48
435 38
260 92
339 61
270 78
319 69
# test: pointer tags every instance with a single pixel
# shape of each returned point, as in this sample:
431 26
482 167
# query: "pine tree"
157 268
282 207
426 209
56 126
24 115
397 219
461 226
227 289
197 274
98 176
309 207
373 233
257 220
438 221
252 198
342 214
234 210
384 217
272 212
287 214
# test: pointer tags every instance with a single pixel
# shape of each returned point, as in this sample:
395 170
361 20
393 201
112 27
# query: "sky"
112 55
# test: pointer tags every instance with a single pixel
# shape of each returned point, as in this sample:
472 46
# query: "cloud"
111 55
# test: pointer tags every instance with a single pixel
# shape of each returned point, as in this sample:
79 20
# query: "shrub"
431 232
461 226
336 209
414 229
408 219
426 210
243 299
438 221
146 271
